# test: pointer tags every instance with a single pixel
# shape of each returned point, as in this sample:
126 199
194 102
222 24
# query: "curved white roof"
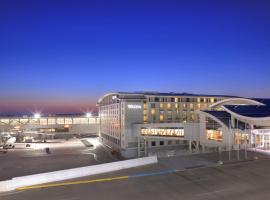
236 101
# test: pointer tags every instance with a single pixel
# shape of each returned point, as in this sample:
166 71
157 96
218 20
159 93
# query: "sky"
60 56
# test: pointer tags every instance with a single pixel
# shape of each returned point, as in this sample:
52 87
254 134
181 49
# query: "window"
60 121
161 117
215 135
153 143
161 143
169 142
51 121
169 115
43 121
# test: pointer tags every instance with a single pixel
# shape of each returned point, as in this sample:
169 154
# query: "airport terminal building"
140 123
39 127
133 123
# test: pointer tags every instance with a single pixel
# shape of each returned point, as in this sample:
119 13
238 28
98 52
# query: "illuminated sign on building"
167 132
132 106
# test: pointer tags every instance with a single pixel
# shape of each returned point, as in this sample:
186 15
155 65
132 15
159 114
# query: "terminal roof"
250 110
223 116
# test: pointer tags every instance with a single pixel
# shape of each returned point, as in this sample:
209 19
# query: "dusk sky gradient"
61 56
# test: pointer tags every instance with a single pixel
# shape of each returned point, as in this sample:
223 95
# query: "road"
241 181
20 162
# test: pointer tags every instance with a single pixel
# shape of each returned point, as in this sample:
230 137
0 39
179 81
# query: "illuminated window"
212 100
184 106
43 121
161 117
169 106
175 99
145 106
92 120
161 106
81 120
34 121
145 118
215 135
192 117
153 111
241 138
199 106
4 121
51 121
68 121
176 105
60 121
191 106
145 112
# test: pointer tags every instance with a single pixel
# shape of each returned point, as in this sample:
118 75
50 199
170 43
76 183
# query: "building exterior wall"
122 114
59 125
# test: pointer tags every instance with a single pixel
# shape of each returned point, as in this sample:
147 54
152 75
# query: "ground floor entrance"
261 138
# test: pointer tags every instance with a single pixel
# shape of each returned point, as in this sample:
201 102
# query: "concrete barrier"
61 175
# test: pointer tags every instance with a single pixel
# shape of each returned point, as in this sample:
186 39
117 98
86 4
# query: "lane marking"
72 183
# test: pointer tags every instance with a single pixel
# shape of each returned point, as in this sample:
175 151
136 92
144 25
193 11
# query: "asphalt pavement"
238 181
71 154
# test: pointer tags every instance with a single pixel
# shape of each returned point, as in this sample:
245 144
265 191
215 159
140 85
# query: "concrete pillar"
197 145
139 147
190 146
263 139
145 147
203 148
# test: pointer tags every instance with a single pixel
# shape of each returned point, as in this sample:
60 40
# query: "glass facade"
49 121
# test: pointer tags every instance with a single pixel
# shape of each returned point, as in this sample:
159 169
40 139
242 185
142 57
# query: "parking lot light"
88 115
37 115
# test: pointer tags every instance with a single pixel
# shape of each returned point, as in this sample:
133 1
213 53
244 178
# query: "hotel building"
131 123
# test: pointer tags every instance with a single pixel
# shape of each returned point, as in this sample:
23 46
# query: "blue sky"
60 56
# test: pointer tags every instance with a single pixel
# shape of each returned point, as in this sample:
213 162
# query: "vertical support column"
197 146
245 141
139 147
203 148
145 147
190 146
229 138
263 140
